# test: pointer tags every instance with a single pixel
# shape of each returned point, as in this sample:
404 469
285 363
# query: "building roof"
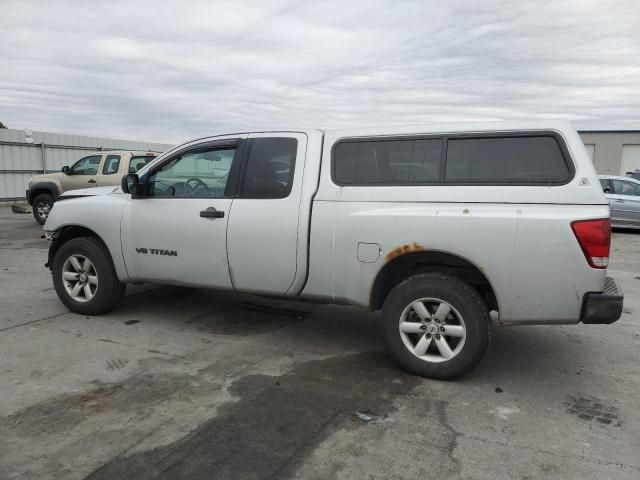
606 127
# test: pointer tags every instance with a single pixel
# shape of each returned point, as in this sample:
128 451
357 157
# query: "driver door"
83 173
175 231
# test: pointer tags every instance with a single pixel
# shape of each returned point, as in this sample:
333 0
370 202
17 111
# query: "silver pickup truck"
437 226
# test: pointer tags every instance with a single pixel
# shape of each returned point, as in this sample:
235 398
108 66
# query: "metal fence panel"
16 157
13 185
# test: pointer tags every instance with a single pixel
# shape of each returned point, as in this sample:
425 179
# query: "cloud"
170 71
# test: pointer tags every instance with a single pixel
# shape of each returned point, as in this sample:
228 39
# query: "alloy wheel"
43 209
80 278
432 329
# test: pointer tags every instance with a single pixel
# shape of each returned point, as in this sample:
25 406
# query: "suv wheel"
435 325
84 277
42 205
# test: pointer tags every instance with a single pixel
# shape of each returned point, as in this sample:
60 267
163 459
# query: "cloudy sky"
170 71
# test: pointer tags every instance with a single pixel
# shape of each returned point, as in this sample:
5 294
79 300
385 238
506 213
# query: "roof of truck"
443 127
488 126
607 127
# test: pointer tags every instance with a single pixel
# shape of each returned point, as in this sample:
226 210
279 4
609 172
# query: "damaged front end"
52 237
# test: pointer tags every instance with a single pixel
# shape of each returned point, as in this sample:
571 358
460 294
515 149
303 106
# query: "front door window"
196 174
87 165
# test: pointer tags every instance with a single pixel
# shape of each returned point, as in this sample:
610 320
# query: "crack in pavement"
33 321
584 458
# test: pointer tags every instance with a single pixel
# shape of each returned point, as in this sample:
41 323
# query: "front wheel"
42 205
435 325
84 277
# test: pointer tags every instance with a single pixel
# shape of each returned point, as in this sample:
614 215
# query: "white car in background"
624 198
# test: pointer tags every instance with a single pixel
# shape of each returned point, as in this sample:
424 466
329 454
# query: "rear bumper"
28 197
603 307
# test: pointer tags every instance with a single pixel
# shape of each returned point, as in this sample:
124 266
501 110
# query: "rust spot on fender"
404 249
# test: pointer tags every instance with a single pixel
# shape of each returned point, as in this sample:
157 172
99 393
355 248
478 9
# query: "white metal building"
614 149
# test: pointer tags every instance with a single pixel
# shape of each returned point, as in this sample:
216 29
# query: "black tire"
41 206
459 295
109 289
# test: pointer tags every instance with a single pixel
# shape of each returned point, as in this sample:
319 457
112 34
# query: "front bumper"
603 307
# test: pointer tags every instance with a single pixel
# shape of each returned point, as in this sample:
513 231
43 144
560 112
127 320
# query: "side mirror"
66 170
130 184
606 189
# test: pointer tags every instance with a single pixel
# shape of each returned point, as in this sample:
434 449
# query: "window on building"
591 148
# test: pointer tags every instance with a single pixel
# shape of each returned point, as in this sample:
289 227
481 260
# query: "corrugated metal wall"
49 152
607 153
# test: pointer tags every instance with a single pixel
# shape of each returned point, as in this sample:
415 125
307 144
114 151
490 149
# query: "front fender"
100 215
39 186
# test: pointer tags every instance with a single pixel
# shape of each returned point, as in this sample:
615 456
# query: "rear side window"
270 168
535 159
111 165
387 162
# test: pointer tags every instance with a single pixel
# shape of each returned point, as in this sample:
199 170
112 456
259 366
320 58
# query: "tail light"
594 237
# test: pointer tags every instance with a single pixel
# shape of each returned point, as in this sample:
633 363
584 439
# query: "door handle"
619 201
91 181
211 213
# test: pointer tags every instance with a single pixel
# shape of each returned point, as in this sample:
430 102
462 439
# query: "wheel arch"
412 263
43 187
69 232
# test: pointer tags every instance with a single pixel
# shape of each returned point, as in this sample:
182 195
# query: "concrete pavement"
183 383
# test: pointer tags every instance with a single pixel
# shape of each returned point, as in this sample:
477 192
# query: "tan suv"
97 169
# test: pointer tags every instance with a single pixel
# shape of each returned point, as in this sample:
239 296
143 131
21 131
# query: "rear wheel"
436 325
42 205
84 277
